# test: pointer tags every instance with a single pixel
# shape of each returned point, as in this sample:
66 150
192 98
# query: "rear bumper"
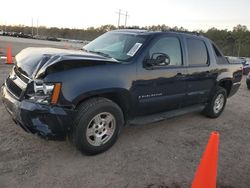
50 122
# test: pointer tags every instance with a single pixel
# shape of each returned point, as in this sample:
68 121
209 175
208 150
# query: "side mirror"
158 59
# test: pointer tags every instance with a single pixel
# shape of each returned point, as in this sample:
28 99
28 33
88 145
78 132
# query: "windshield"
119 46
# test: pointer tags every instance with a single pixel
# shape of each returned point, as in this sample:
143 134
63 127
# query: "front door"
160 85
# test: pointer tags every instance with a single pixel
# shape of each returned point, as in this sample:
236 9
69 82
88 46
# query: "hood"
30 61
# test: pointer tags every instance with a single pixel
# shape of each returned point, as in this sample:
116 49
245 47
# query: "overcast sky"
191 14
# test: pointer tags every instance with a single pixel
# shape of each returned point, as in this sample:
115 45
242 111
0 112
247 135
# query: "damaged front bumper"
48 121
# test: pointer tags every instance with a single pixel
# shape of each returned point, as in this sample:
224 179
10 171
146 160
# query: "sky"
190 14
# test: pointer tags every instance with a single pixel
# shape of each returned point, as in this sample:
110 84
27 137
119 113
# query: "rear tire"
97 125
216 104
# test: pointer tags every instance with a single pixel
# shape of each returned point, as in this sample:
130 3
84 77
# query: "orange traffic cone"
9 56
206 173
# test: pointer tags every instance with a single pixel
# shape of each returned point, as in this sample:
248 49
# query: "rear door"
201 77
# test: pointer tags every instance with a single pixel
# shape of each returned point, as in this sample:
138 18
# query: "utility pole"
119 17
239 48
37 26
126 16
121 13
32 31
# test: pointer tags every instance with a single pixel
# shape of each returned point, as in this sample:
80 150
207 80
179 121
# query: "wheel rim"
101 129
219 103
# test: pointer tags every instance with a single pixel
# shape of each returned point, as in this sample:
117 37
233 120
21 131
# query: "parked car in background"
246 65
39 37
5 33
248 80
1 32
23 35
53 39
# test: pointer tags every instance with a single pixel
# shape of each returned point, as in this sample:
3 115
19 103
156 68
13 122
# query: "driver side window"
169 46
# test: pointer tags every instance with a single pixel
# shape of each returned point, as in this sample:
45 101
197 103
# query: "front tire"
97 125
216 104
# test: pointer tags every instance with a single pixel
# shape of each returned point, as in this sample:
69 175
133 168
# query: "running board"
165 115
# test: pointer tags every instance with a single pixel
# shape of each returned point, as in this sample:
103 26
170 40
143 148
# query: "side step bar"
165 115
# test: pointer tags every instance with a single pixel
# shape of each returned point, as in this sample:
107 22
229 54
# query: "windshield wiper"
100 53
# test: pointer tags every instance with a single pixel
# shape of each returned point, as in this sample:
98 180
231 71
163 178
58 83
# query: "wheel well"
116 98
227 85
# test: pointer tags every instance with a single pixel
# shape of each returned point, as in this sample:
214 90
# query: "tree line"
232 43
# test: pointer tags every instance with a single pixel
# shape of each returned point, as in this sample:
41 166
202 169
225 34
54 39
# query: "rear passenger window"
219 57
216 51
197 52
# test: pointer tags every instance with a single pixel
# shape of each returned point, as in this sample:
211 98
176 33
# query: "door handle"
179 74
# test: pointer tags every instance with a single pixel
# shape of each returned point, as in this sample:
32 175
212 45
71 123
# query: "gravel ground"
159 155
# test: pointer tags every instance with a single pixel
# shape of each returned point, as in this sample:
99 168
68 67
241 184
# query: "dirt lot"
164 154
17 44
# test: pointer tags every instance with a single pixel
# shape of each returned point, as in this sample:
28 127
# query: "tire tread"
208 111
83 109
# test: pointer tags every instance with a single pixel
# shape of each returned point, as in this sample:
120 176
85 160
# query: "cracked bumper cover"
50 122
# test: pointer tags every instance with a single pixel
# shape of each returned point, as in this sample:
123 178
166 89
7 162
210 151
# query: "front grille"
21 76
13 88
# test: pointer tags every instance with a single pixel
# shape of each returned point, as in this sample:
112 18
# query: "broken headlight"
45 93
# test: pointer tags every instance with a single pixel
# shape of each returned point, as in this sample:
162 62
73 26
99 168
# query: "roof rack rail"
133 29
161 30
186 32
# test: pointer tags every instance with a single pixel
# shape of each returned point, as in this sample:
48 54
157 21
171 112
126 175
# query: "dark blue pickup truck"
122 77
